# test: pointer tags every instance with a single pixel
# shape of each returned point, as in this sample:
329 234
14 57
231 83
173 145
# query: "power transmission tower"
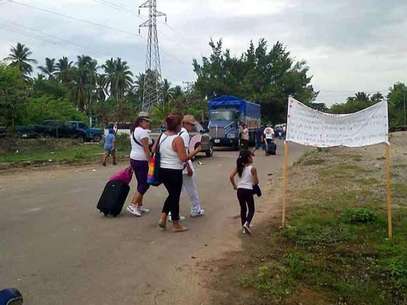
152 77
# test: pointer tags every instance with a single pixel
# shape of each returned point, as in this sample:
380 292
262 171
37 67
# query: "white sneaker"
246 227
142 209
181 218
133 210
243 231
201 212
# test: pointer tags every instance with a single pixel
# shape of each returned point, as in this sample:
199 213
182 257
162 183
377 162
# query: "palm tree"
64 70
19 57
49 69
118 78
84 83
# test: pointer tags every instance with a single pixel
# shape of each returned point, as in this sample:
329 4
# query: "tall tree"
84 83
397 99
118 78
49 69
13 96
64 70
19 57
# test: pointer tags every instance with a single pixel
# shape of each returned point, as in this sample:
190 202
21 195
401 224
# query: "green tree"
84 83
64 72
359 101
49 69
13 96
118 78
19 57
49 108
397 99
264 76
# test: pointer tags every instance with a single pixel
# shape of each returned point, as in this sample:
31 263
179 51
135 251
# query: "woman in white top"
173 156
246 178
139 156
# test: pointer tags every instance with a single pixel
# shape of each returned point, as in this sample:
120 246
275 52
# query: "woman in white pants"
189 184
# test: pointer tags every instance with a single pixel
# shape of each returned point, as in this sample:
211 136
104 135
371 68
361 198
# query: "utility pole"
152 77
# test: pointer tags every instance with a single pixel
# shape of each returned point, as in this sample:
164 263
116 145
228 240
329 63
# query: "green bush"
48 108
359 216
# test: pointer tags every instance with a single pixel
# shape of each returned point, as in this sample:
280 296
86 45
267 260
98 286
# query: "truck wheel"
97 139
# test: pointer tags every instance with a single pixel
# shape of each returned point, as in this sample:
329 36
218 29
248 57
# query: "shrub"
359 216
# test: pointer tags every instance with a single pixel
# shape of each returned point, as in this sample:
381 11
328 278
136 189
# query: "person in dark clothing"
259 137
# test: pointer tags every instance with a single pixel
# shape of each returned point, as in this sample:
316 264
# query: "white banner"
314 128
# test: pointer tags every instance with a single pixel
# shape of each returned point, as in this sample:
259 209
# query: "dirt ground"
58 249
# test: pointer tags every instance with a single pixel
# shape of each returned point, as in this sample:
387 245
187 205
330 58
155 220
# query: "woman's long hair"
242 161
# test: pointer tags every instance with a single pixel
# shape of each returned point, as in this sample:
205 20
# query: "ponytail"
242 160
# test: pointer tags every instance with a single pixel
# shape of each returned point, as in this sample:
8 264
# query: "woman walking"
246 178
139 156
173 156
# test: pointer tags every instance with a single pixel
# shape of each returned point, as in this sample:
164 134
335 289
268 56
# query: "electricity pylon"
152 77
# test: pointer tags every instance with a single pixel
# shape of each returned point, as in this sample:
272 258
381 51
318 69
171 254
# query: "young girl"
246 178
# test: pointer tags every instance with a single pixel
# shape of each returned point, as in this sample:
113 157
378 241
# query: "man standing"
268 136
189 180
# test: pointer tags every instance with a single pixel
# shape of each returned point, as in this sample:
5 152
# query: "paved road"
57 249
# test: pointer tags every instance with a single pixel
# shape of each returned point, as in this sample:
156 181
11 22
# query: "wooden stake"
285 184
389 191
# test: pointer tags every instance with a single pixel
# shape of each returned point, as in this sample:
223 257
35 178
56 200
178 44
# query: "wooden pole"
389 191
285 184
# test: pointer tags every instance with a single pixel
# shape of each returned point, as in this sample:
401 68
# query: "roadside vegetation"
334 249
48 151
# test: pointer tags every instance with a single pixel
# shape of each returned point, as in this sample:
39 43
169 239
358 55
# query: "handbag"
153 176
257 190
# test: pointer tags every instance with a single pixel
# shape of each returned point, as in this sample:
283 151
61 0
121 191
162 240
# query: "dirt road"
58 250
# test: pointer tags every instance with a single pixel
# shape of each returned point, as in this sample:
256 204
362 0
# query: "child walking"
246 178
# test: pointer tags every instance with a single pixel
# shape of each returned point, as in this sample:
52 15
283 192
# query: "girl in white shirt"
246 177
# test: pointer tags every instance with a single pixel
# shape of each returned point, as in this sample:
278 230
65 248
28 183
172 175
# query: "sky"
349 45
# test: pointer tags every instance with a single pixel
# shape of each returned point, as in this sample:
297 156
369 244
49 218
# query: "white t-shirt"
246 181
137 150
185 136
187 139
269 133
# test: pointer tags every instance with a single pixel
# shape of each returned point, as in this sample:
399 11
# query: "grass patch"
55 151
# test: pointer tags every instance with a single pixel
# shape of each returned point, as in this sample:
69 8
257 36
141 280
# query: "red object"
123 175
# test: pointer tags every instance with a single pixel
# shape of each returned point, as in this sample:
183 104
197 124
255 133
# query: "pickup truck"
70 129
81 130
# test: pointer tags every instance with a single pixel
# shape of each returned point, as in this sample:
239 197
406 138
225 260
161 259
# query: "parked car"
27 132
52 128
81 130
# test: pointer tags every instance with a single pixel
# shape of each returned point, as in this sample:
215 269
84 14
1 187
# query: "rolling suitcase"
113 197
271 148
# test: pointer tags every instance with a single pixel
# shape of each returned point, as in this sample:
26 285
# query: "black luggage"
271 148
113 197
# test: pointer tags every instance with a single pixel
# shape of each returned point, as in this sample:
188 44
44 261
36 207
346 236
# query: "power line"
73 18
87 22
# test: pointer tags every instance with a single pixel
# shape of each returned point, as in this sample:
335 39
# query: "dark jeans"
172 180
140 169
244 144
246 202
